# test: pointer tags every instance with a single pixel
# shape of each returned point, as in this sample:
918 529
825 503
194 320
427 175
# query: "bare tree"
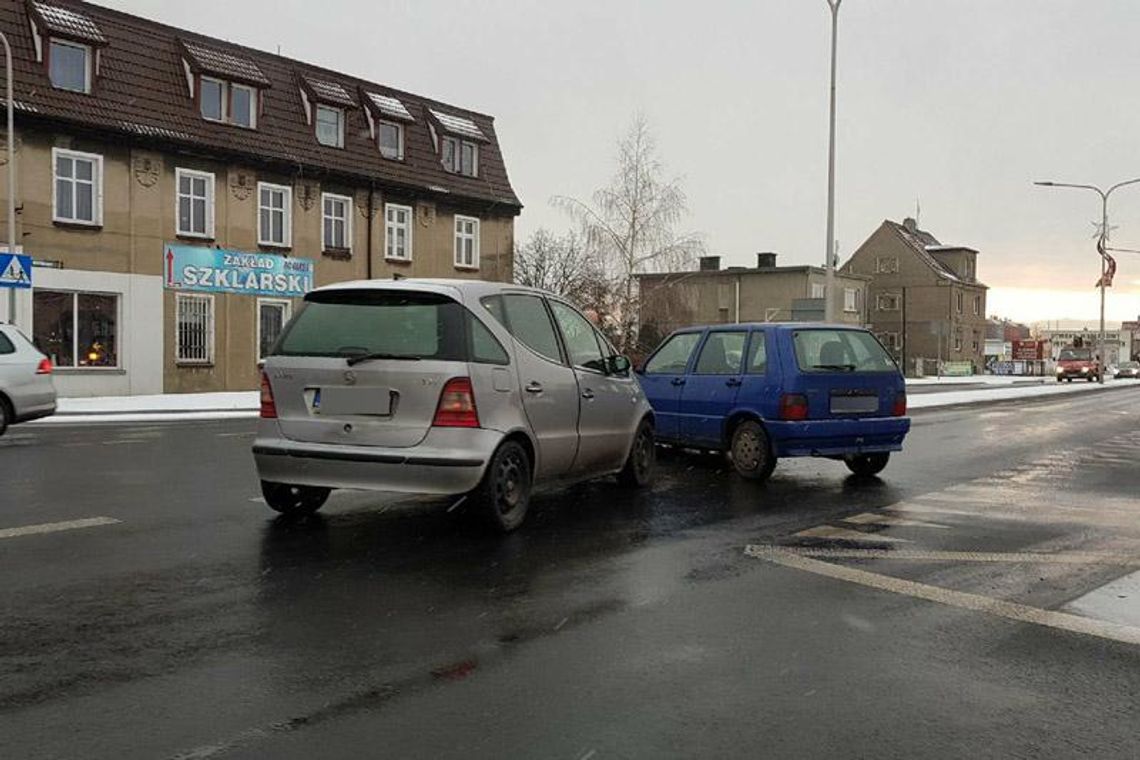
559 264
631 227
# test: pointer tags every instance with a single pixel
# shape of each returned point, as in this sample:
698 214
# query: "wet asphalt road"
612 625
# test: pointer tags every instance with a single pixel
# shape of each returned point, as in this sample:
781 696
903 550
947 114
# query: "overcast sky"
957 104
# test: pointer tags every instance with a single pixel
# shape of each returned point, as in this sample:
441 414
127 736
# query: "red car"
1079 363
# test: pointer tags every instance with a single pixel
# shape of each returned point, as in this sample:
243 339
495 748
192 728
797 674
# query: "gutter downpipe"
368 255
737 299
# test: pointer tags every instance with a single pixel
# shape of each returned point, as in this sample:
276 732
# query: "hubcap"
509 483
747 450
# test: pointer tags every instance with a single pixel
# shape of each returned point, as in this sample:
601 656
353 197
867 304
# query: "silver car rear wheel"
5 415
294 500
504 495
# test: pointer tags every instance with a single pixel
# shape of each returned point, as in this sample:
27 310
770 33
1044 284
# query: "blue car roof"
770 325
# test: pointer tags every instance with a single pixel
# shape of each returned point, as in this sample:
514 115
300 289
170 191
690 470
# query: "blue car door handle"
678 381
732 382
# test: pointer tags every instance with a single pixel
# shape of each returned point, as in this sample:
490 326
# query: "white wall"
140 332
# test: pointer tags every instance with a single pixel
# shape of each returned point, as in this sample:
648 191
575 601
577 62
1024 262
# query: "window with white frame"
194 329
227 102
78 196
460 156
272 314
887 264
275 215
69 66
330 126
398 232
466 242
818 290
887 302
195 212
391 137
336 225
850 299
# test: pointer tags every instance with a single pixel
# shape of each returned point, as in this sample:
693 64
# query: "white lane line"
1009 610
56 527
846 534
870 518
920 555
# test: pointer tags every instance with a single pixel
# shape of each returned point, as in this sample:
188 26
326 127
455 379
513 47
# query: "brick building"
179 193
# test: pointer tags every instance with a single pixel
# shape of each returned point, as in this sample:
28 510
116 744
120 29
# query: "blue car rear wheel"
752 451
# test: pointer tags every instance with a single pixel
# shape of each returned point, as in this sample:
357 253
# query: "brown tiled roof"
65 22
922 242
141 90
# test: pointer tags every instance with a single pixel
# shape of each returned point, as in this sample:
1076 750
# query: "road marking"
919 555
870 518
846 534
235 435
1020 613
29 530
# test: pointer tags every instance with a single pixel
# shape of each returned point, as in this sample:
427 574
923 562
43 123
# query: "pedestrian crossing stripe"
15 271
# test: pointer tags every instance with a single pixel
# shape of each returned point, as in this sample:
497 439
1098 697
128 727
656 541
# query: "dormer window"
330 126
458 146
387 116
68 42
391 139
228 102
69 65
227 86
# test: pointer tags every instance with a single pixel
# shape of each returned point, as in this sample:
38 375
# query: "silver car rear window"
399 323
6 346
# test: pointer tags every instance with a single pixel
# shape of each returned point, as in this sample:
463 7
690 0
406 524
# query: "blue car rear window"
830 350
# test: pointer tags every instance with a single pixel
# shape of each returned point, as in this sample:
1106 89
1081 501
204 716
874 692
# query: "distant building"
1130 336
1115 346
766 293
924 300
1005 330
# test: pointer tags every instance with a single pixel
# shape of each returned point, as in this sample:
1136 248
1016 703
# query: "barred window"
194 329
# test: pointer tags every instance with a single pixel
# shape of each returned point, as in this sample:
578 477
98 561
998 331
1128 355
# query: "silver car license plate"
358 401
854 404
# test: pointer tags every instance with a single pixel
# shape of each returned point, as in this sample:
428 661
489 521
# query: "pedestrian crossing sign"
15 271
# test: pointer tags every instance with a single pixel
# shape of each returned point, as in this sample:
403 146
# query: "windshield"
1076 355
391 323
829 350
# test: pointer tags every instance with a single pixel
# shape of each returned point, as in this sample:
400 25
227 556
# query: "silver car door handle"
534 387
587 394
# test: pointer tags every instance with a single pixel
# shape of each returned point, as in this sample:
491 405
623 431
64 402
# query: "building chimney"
710 263
765 260
910 224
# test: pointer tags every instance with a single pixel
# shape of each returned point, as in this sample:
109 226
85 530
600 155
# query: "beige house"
179 194
766 293
925 302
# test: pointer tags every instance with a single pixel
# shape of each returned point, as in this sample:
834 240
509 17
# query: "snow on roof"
459 125
68 23
390 106
329 92
224 64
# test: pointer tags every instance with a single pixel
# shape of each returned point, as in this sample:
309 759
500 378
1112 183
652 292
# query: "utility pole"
11 173
828 302
1102 247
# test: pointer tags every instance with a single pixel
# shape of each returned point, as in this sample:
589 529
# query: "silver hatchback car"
445 387
26 389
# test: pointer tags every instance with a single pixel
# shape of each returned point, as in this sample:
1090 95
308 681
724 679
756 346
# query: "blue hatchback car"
765 391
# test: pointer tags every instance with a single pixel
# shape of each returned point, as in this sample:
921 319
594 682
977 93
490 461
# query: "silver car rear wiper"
355 359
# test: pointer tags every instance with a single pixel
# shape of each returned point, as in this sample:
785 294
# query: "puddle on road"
1115 602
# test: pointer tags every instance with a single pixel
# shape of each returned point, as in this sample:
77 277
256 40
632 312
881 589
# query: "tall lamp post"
11 172
828 305
1102 245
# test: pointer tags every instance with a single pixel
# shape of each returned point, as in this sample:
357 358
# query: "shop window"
398 232
466 242
78 330
271 318
275 215
336 224
78 196
194 329
195 203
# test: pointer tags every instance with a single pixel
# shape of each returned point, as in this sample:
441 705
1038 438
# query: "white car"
26 389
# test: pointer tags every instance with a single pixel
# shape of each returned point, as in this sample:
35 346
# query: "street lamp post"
828 305
11 172
1102 245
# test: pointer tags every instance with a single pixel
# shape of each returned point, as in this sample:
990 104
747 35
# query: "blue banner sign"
215 270
15 271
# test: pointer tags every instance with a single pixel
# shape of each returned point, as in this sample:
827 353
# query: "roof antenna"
917 213
279 49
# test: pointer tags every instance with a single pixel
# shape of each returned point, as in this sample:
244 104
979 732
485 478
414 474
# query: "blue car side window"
673 357
757 355
722 354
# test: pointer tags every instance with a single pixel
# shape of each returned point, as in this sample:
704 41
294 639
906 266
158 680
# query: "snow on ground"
244 404
982 380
